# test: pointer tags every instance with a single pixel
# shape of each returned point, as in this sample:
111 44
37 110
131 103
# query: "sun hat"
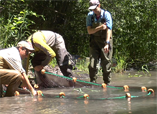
26 45
93 4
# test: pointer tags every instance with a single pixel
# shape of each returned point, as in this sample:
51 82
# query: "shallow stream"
100 101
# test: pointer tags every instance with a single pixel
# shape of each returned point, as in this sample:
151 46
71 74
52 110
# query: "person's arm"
109 25
94 30
109 31
26 83
91 30
42 46
38 67
108 35
107 43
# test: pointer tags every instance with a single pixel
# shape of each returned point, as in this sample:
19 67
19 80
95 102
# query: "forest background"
134 26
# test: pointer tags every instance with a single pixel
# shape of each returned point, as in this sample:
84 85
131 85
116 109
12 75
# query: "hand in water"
34 93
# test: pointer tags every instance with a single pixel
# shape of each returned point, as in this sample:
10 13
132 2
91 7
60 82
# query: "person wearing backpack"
99 27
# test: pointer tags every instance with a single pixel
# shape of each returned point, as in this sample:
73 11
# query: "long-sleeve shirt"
44 41
13 58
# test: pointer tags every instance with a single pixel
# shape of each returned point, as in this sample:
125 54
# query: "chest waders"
97 43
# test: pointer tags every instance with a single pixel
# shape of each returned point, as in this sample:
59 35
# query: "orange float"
17 93
128 95
126 88
86 96
43 71
104 85
150 90
74 79
39 93
61 94
144 89
36 86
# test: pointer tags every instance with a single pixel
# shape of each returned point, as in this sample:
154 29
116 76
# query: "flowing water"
100 101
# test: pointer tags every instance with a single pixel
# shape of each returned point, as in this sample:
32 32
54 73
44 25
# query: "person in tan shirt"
12 73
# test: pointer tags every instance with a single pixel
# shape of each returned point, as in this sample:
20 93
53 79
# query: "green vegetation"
134 26
82 65
53 63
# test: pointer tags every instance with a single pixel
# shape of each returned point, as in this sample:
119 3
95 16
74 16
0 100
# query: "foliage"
16 27
82 64
134 26
135 30
121 62
67 18
53 63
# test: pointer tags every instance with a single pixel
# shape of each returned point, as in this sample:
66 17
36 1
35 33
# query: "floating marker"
43 71
74 79
128 95
40 93
86 96
126 88
17 93
61 94
144 89
36 86
150 90
103 85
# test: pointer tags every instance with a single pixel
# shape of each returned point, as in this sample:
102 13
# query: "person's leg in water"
1 90
63 58
12 78
65 64
94 58
106 64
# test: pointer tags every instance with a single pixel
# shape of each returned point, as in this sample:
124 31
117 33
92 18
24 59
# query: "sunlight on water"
100 101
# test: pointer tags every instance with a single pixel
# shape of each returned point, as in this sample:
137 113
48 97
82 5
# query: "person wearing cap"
49 45
12 73
99 27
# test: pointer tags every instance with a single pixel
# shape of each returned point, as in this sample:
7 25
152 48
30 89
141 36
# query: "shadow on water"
100 101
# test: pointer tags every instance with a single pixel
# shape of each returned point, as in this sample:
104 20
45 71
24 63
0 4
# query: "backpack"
103 20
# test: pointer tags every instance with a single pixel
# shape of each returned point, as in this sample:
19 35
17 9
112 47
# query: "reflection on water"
129 105
101 101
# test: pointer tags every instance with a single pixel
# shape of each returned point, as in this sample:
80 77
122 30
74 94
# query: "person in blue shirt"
99 27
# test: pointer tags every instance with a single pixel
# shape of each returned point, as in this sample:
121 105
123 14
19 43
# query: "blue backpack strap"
103 20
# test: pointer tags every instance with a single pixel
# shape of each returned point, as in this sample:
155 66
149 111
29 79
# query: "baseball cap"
26 45
93 4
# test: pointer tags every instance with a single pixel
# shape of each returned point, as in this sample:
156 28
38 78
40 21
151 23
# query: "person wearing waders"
99 27
49 45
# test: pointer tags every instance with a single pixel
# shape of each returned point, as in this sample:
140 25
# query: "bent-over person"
49 45
12 73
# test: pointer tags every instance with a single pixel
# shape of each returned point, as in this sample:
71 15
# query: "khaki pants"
12 78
